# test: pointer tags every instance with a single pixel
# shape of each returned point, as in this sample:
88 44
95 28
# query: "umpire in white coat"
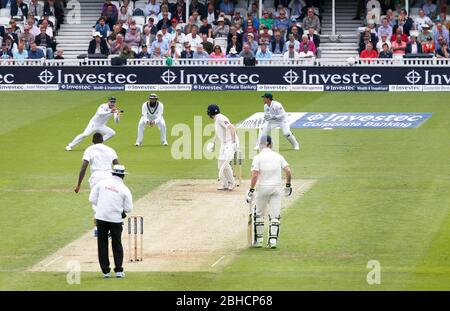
266 171
113 200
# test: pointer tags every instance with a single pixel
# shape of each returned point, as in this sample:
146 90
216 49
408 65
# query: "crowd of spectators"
30 33
391 33
213 29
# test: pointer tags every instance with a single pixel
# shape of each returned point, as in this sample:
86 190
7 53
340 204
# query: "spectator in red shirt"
428 46
369 52
399 31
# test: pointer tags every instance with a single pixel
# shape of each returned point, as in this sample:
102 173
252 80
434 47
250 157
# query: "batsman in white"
152 114
266 171
98 123
101 158
275 116
226 134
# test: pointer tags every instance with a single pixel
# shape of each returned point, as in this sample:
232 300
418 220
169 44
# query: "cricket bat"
250 225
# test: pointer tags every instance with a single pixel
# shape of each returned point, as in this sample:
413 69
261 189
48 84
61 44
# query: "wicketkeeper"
266 171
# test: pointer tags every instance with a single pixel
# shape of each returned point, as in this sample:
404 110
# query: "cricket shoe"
231 187
68 148
165 143
106 275
137 144
297 147
95 232
222 188
257 243
120 275
272 244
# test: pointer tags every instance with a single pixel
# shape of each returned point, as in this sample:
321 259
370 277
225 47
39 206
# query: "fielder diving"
266 171
98 123
152 114
275 116
225 132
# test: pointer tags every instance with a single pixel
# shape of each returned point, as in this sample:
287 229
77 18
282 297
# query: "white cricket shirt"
275 110
111 197
269 164
152 113
222 127
100 157
102 115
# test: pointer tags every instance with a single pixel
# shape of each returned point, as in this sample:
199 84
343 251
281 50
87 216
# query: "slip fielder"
275 116
266 171
152 114
98 123
226 134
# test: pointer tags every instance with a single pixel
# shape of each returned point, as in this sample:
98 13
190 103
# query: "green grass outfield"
381 194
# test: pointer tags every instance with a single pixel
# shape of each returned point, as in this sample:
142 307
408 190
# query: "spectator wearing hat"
413 47
179 38
291 52
220 30
277 43
384 39
263 52
425 33
187 52
291 40
311 20
428 46
102 28
113 200
385 51
18 8
160 43
98 45
443 51
143 54
152 8
233 53
5 53
369 51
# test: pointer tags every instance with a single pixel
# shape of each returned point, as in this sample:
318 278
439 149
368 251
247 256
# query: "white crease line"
218 260
52 261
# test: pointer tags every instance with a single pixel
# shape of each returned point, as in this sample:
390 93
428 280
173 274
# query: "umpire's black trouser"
103 227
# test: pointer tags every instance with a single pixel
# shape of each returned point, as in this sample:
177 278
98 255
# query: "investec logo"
48 77
354 78
170 77
413 77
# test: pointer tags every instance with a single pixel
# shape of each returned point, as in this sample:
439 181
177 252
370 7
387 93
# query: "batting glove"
288 190
250 195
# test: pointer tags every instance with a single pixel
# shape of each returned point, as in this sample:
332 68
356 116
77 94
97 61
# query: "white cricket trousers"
226 154
268 199
267 127
141 127
107 133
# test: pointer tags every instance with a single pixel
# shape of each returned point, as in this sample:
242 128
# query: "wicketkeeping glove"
288 190
210 147
250 195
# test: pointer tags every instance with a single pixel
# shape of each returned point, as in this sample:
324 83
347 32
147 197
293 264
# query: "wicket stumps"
237 167
135 250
